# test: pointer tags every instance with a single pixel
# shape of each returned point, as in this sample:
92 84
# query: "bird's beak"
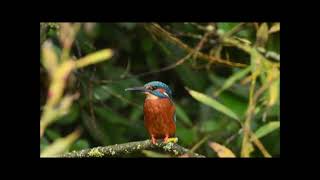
138 89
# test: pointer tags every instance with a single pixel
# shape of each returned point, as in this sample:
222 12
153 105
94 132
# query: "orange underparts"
159 118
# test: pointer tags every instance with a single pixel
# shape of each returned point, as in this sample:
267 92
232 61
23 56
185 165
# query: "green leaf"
43 143
262 35
147 44
101 93
129 26
181 115
232 79
268 128
237 88
109 115
136 114
226 27
186 136
212 103
52 134
210 126
79 145
71 117
237 104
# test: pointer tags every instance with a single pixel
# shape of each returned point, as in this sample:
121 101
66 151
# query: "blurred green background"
107 115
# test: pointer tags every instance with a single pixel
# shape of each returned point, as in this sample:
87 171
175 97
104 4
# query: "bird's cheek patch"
162 91
165 94
151 96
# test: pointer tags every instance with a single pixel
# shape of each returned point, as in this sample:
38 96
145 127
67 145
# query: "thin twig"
194 52
234 30
231 138
122 98
196 146
95 130
155 28
249 115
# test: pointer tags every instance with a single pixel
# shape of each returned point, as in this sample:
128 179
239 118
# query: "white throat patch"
165 94
151 96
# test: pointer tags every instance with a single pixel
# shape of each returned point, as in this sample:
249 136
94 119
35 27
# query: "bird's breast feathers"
158 105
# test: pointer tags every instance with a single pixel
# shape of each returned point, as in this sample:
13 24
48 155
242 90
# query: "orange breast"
159 117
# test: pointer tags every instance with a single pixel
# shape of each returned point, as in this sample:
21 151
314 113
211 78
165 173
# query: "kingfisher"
159 110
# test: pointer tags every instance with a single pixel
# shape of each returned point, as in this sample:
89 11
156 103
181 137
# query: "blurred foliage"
225 79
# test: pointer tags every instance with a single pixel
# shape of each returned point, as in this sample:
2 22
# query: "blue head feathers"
153 85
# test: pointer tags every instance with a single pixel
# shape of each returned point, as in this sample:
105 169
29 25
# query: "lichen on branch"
121 150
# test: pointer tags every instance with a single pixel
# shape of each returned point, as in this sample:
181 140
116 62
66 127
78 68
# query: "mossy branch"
121 150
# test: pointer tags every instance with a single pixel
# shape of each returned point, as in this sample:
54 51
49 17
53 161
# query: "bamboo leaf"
58 82
275 28
60 145
49 57
212 103
274 90
231 80
221 150
266 129
262 35
181 114
95 57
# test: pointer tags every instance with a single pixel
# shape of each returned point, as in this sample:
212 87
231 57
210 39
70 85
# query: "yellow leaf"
245 41
221 150
262 35
60 145
94 58
67 33
66 102
58 82
274 89
49 57
275 28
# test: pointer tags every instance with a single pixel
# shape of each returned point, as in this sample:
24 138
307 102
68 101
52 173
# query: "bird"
159 110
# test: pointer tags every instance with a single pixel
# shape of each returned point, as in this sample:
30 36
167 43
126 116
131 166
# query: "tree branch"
156 29
120 150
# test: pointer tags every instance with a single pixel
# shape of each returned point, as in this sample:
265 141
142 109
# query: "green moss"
175 152
95 153
168 146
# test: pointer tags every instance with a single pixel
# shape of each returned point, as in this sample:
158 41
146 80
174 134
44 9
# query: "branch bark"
120 150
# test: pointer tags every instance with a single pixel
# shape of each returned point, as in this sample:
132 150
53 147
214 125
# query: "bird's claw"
153 140
165 140
174 140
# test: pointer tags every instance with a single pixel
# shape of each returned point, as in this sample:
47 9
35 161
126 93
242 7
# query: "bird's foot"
165 140
153 140
173 139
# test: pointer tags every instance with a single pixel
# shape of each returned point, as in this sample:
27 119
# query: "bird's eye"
152 88
149 87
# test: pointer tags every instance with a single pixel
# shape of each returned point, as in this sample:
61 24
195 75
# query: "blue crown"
158 84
